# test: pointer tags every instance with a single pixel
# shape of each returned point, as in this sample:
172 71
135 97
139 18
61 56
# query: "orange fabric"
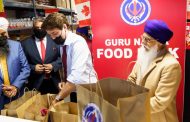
3 62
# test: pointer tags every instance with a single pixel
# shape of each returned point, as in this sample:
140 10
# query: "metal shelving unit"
14 4
19 29
35 9
23 5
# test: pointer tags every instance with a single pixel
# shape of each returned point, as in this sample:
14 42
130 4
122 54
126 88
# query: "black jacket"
52 56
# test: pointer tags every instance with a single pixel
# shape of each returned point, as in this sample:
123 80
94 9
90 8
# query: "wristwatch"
58 97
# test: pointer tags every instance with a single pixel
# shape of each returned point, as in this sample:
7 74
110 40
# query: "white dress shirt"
79 61
39 46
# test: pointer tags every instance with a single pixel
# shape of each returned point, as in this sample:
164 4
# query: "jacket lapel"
35 50
151 67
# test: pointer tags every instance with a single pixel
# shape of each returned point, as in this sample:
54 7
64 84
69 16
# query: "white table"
13 119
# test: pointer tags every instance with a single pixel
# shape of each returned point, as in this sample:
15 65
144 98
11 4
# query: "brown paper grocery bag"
132 101
16 103
34 111
92 107
17 107
64 112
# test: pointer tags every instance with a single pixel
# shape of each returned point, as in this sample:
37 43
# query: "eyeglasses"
147 39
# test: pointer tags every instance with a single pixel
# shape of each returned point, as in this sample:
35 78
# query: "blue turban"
83 30
158 30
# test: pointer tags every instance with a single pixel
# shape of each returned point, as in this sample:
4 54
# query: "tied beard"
4 50
4 47
145 58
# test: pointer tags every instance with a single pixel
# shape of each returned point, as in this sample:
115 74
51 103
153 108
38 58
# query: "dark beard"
4 50
4 47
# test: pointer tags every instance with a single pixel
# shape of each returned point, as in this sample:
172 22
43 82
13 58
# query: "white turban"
4 24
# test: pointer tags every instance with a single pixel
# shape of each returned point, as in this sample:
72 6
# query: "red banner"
117 30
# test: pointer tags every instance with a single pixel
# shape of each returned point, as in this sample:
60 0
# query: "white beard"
145 58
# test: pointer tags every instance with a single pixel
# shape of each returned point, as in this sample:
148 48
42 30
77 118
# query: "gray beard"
145 58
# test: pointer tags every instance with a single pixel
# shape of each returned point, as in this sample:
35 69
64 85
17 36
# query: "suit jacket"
162 78
52 56
18 68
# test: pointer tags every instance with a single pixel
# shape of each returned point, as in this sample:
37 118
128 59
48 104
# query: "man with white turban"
14 68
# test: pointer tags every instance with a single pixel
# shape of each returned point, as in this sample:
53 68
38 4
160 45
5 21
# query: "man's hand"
39 68
9 91
48 68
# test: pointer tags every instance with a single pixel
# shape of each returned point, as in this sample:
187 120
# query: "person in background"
44 59
158 70
76 56
83 31
14 68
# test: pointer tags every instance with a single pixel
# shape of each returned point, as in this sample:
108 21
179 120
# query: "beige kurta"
162 78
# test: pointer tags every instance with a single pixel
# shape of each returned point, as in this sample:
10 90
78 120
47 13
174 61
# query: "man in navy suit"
14 68
44 59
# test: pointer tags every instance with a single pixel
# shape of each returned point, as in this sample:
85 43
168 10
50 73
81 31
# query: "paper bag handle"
26 89
33 90
97 84
129 64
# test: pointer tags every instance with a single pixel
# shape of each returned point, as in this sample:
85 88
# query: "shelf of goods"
24 5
